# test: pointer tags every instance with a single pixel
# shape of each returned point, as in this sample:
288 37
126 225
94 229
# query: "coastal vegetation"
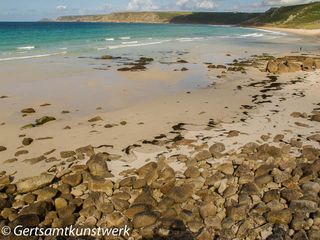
296 16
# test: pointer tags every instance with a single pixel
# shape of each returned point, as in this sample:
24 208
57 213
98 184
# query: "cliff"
165 17
297 16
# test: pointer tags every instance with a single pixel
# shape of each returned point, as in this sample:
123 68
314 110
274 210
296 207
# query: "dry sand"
141 121
144 121
305 32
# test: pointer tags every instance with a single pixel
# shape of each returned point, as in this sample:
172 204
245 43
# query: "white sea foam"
250 35
184 39
273 32
26 48
33 56
133 42
125 38
133 45
109 39
189 39
254 35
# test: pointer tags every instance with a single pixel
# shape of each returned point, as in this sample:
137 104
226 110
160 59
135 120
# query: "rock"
195 226
106 57
67 211
203 155
21 152
149 167
119 204
144 219
127 182
90 211
315 137
44 120
95 119
27 141
98 166
314 234
28 220
310 153
308 64
5 180
100 185
28 126
298 222
272 67
264 169
271 195
11 160
46 193
280 176
34 183
135 209
60 203
238 212
208 210
35 160
67 154
233 133
301 235
291 194
278 138
181 193
305 206
263 180
280 217
315 118
217 148
72 180
204 235
2 148
192 172
88 150
28 110
283 68
294 67
226 168
115 219
145 197
251 188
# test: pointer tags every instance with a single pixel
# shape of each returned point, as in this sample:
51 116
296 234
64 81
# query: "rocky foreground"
267 191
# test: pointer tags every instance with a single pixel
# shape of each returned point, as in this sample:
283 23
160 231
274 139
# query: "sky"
33 10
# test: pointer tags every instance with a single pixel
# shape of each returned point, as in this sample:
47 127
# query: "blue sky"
28 10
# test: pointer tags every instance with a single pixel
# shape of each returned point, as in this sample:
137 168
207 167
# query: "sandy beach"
304 32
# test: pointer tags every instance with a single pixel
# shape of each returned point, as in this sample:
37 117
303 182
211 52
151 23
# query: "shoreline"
298 31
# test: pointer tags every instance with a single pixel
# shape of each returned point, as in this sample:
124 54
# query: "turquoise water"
36 39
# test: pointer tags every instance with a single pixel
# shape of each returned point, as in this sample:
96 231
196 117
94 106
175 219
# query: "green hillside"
135 17
165 17
298 16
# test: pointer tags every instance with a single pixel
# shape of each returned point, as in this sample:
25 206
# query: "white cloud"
61 7
283 2
196 4
138 5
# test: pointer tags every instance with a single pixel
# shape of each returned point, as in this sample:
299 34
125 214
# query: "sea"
25 40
